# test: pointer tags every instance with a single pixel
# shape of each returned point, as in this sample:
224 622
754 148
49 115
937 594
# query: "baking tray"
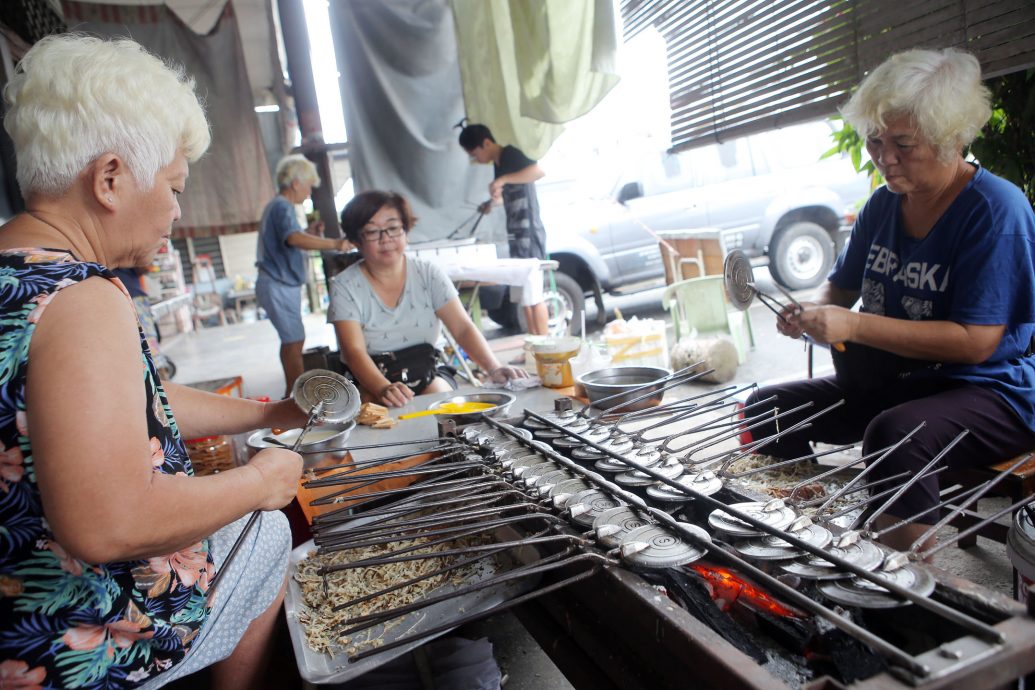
320 668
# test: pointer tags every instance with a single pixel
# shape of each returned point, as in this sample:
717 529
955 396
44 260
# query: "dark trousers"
882 418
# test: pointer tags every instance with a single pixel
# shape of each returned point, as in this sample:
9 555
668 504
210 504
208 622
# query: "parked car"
770 194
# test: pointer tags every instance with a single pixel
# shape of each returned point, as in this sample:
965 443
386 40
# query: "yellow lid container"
553 360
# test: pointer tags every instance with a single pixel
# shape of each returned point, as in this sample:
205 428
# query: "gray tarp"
231 184
401 92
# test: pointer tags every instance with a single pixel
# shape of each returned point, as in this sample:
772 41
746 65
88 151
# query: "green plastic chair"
699 308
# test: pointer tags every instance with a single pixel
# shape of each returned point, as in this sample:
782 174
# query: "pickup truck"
770 194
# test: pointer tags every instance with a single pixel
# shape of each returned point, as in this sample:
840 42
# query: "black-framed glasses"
377 234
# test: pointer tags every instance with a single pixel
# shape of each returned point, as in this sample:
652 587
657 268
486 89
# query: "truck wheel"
564 304
801 256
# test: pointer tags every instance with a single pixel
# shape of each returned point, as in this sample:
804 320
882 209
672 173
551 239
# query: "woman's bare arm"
92 453
199 413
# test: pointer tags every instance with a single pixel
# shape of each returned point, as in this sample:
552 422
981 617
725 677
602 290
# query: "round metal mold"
508 462
614 523
339 397
541 446
586 454
566 443
518 466
633 479
551 478
560 418
855 591
586 505
598 434
533 424
504 450
769 547
577 425
547 435
471 432
738 279
705 483
568 486
629 462
621 445
863 554
669 470
664 549
774 513
535 471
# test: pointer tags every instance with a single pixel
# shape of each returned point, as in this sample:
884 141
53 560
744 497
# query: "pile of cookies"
376 416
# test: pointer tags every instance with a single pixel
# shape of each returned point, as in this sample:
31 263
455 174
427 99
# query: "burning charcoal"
692 594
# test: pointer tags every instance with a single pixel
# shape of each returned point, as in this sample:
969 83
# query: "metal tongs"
739 281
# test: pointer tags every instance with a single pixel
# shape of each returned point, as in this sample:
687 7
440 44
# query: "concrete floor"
249 349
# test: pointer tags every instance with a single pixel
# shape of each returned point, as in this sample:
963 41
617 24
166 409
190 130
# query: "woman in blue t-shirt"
941 258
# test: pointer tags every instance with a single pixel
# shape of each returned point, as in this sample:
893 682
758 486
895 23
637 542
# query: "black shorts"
882 418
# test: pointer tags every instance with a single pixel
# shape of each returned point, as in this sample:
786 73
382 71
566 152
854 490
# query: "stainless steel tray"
318 668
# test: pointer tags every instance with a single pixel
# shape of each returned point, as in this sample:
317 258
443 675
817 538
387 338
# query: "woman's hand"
280 470
790 323
395 394
829 324
505 373
496 189
285 414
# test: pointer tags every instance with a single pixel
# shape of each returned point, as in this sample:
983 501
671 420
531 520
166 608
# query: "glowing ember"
726 588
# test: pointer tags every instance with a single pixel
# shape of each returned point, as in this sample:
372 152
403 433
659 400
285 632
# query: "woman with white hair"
283 244
941 258
108 542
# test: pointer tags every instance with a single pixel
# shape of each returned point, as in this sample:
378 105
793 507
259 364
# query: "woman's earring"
109 200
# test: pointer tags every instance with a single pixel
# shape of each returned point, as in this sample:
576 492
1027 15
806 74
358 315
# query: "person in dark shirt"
513 185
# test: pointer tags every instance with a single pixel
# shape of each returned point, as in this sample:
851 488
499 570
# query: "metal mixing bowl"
501 404
634 381
320 438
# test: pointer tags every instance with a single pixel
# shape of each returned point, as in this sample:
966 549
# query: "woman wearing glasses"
387 308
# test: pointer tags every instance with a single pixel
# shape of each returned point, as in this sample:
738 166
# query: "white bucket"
1020 548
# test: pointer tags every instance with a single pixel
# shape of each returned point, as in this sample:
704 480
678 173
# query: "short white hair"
940 90
296 167
75 97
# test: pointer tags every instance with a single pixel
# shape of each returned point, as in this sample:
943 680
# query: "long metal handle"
314 414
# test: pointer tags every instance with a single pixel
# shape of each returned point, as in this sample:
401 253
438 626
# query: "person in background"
942 259
109 541
282 260
513 185
388 302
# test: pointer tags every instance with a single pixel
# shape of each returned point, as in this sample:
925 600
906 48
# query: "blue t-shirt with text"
976 266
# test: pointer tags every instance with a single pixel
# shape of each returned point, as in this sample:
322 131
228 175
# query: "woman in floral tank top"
107 540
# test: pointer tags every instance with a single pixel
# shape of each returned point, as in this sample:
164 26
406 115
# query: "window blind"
738 67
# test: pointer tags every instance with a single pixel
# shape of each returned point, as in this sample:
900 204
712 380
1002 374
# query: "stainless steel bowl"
501 405
320 438
634 381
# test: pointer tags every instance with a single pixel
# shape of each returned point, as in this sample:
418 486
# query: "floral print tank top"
65 622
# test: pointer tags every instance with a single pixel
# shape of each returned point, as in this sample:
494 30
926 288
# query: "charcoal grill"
621 565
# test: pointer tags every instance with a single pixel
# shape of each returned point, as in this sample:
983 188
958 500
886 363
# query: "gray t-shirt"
412 321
